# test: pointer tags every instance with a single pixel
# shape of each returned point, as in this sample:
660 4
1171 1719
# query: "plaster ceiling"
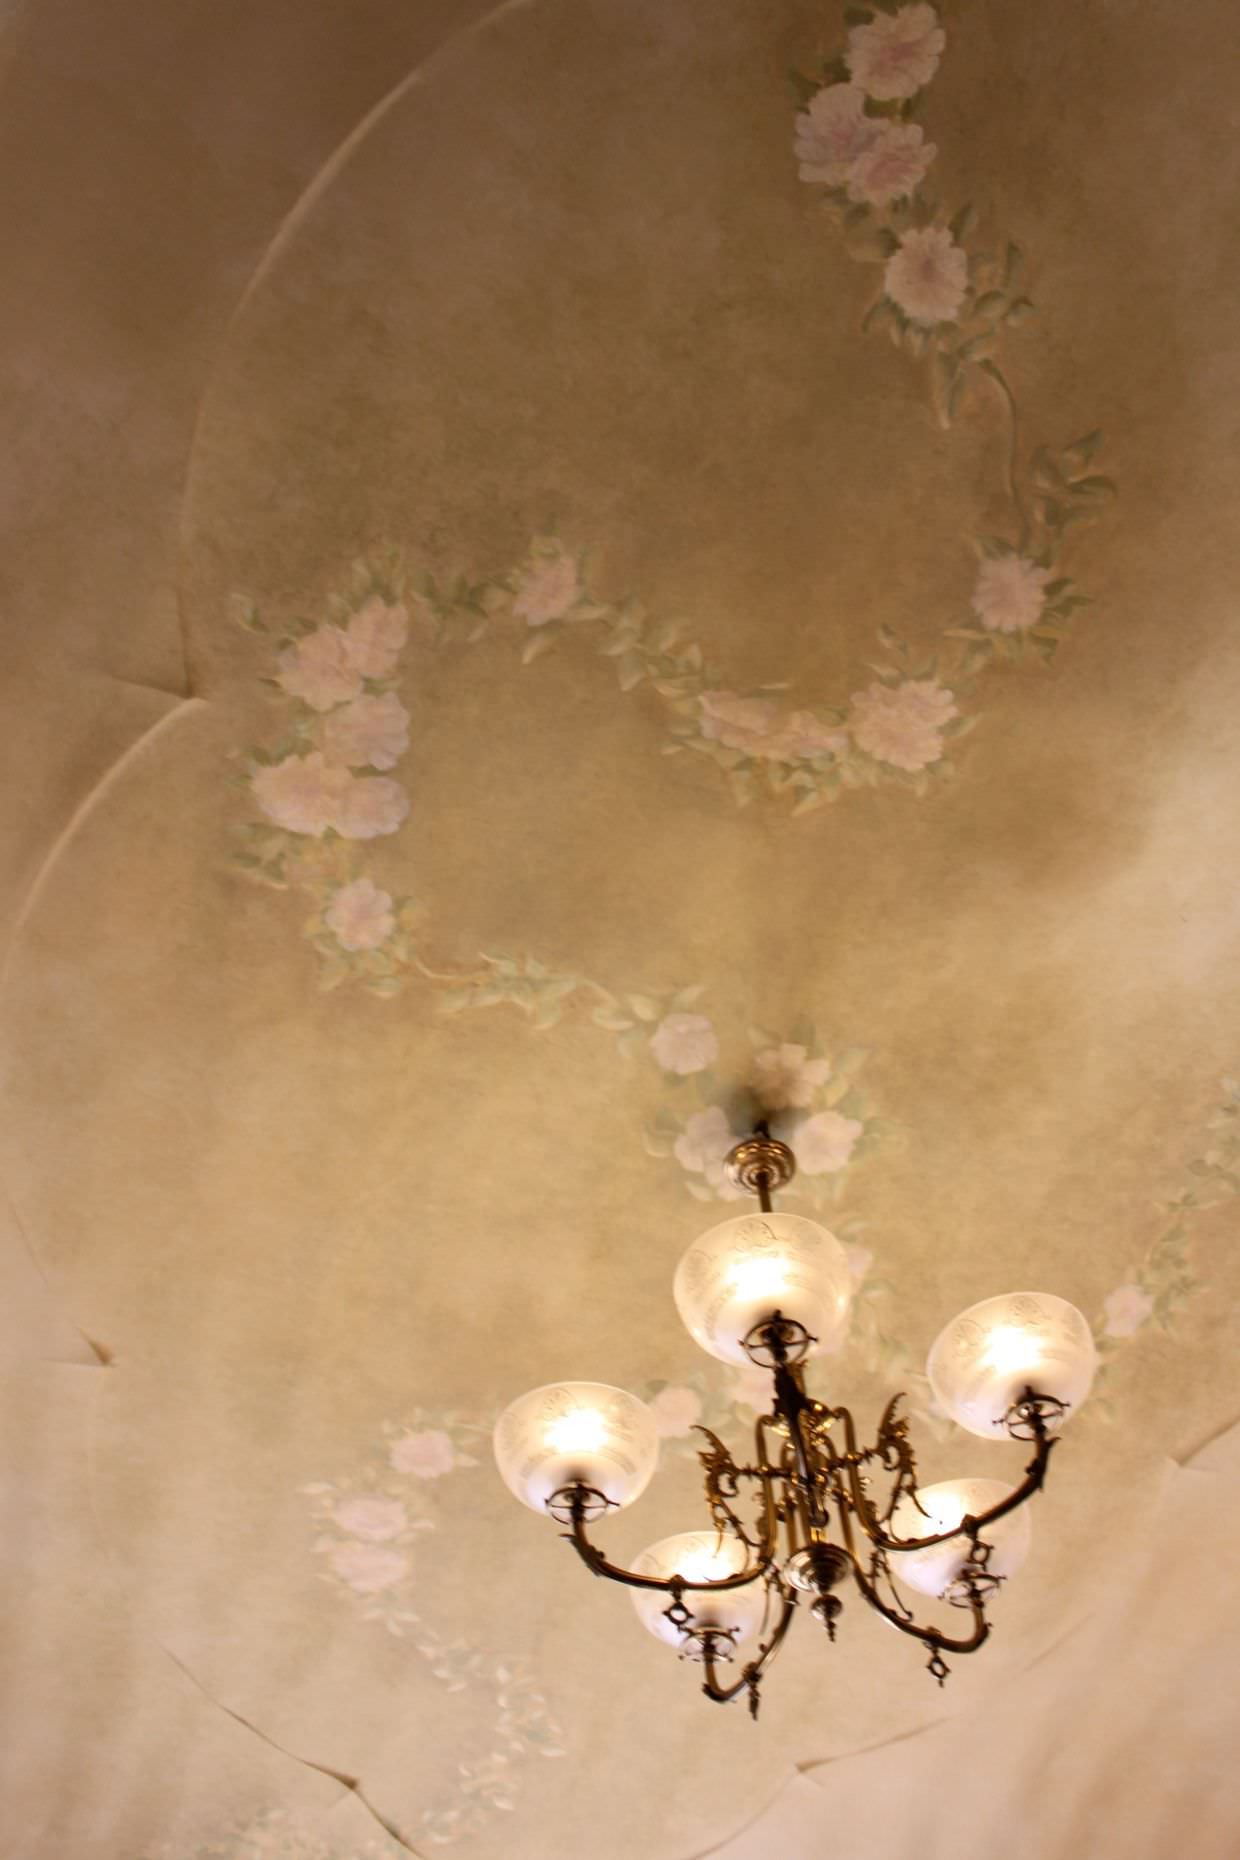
530 588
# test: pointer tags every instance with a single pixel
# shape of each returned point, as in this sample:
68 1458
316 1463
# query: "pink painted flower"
370 806
701 1147
860 1259
902 724
1010 593
371 732
369 1568
784 1078
755 727
426 1454
801 737
547 589
831 132
1127 1309
301 794
894 55
675 1412
376 636
360 916
684 1043
825 1142
375 1519
894 166
928 277
319 669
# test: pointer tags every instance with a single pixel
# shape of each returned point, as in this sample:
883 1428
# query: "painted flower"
831 132
675 1411
894 54
929 275
360 916
902 724
752 1387
825 1142
701 1147
784 1078
371 732
860 1259
426 1454
368 1568
320 669
684 1043
547 589
1010 593
370 806
1127 1309
754 726
894 166
375 1519
376 635
301 794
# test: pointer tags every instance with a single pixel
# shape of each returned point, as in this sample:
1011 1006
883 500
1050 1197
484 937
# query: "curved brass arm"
595 1560
723 1695
929 1637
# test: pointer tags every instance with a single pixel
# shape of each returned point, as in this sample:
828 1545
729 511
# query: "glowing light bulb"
758 1278
1009 1351
583 1431
699 1556
986 1358
741 1272
576 1433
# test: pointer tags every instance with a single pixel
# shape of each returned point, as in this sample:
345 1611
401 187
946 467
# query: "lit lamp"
773 1289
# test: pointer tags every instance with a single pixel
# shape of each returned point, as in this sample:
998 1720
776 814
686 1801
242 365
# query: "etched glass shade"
699 1556
576 1431
986 1358
744 1270
942 1507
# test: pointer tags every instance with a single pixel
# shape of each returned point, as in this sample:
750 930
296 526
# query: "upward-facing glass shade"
941 1509
576 1431
986 1358
744 1270
699 1556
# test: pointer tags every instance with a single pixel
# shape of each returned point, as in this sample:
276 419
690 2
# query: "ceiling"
536 601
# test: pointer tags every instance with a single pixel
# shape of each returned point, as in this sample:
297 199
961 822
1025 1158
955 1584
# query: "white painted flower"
1010 593
319 669
371 732
860 1259
893 167
369 1568
426 1454
302 794
684 1043
929 275
1127 1309
360 915
825 1142
549 586
702 1146
902 724
831 132
755 727
371 805
675 1411
894 55
375 1519
784 1078
376 636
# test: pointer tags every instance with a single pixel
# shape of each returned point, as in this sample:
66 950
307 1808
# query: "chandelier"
772 1289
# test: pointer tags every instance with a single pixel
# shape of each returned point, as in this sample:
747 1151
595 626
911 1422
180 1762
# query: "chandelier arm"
723 1695
597 1562
928 1636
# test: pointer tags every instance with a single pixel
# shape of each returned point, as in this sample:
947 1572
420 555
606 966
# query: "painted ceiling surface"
562 565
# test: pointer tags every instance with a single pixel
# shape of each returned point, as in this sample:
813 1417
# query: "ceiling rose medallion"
772 1289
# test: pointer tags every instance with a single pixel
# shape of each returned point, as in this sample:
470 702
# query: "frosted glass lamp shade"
570 1431
746 1269
943 1506
699 1556
985 1358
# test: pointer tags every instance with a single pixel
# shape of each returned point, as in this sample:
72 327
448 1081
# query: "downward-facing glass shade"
576 1431
943 1506
699 1556
745 1270
988 1356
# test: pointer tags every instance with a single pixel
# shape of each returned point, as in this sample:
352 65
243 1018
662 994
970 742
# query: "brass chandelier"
771 1289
